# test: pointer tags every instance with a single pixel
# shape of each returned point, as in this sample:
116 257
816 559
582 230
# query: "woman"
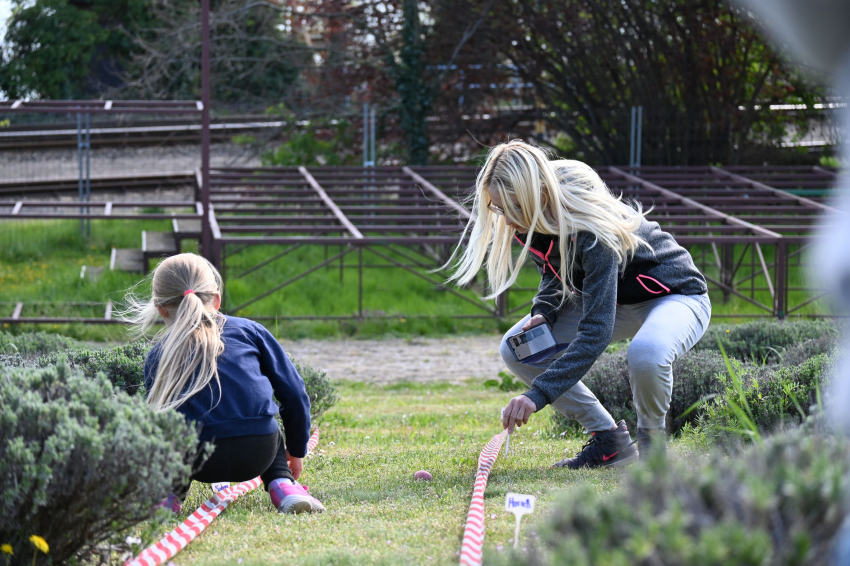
606 274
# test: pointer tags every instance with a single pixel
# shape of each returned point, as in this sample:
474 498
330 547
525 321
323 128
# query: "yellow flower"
727 331
40 543
7 549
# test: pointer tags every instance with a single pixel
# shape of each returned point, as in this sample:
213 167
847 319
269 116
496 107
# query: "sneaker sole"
300 504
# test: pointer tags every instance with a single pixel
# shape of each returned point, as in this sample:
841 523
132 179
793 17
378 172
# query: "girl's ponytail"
186 285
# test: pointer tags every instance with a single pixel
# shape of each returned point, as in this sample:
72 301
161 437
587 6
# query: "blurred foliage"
781 502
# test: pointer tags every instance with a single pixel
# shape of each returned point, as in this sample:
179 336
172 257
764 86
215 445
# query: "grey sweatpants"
661 330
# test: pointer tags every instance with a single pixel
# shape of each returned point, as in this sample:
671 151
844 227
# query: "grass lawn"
372 442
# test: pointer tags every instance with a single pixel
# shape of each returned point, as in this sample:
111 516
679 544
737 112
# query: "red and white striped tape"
473 534
179 538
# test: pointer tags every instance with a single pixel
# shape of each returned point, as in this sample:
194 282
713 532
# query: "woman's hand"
535 320
517 412
295 464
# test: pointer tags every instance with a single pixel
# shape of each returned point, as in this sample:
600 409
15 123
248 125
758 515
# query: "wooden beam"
352 229
780 193
453 204
216 231
694 204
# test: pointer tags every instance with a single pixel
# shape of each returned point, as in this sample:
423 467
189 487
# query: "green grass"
40 262
372 443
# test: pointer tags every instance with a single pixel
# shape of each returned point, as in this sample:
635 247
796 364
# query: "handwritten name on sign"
519 504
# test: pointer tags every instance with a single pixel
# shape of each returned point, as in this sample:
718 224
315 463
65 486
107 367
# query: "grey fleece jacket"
667 268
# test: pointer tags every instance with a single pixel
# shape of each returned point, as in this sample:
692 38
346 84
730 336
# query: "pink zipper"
656 281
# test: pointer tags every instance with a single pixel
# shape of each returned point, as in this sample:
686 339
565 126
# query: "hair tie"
187 291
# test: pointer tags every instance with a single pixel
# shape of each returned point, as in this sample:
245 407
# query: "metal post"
88 172
206 232
374 158
365 133
632 141
360 283
781 259
639 135
80 166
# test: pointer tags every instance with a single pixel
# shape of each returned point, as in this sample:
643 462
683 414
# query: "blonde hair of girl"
187 287
557 198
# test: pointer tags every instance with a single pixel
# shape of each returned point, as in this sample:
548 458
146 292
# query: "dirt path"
387 361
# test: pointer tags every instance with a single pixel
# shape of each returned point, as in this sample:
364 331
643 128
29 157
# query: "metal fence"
749 228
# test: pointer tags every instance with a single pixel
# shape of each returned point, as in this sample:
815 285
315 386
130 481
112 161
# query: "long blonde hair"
191 342
558 198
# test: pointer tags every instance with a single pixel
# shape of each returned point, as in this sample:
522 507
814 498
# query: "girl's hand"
517 412
295 464
535 320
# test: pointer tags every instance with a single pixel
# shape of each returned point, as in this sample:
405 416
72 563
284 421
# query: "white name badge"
220 486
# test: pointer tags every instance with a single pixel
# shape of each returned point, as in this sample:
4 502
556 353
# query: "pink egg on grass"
422 475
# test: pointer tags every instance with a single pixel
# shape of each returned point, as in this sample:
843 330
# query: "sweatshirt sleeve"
547 301
288 390
595 329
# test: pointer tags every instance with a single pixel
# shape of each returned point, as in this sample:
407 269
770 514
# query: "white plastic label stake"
220 486
508 440
519 505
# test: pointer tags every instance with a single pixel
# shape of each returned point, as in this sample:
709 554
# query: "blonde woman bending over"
606 274
224 373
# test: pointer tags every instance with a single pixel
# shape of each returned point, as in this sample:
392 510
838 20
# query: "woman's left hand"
517 412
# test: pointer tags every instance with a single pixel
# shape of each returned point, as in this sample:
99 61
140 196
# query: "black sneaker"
605 448
650 440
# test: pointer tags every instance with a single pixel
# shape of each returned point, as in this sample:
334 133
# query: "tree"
254 59
51 46
704 76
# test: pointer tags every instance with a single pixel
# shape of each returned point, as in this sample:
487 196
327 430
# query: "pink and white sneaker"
291 497
172 502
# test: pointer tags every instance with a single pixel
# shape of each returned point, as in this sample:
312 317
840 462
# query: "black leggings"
241 458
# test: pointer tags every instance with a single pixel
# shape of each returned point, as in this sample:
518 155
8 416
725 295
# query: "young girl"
224 373
606 274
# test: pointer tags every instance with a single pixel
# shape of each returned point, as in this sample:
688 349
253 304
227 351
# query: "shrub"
80 462
34 343
320 389
771 390
798 353
694 377
780 503
764 341
775 396
123 366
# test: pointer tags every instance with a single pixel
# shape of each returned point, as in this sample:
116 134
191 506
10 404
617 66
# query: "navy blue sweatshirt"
253 371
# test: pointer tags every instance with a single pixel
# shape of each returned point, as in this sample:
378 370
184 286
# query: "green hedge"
702 375
81 462
776 396
34 343
780 503
766 341
799 354
124 366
